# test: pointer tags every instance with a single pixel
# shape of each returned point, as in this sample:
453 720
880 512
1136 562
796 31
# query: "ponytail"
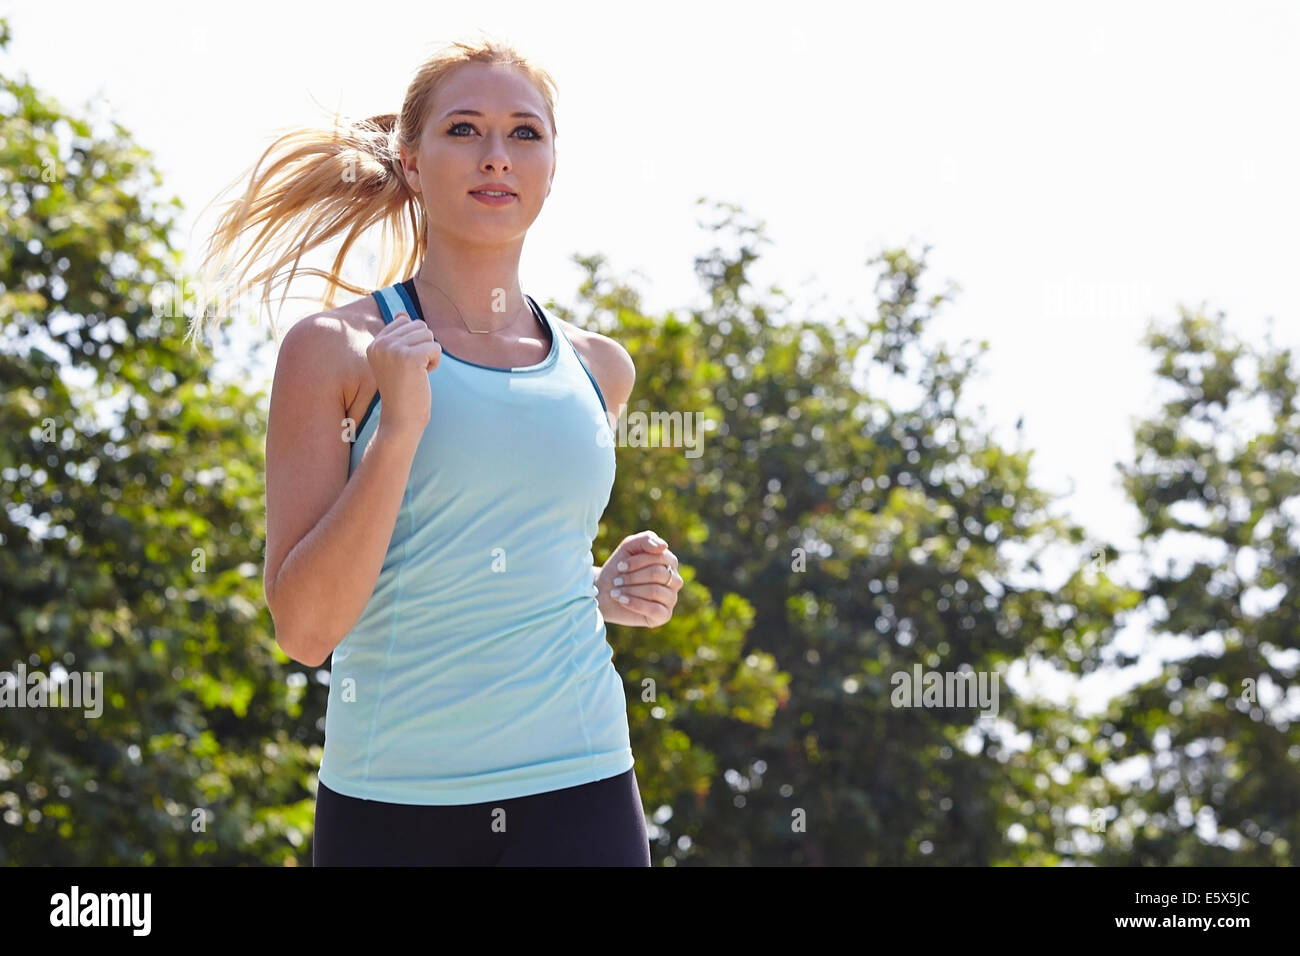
319 184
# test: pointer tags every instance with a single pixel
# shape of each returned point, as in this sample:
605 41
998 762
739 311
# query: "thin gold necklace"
466 324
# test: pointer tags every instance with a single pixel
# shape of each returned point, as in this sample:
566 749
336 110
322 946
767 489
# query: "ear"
410 169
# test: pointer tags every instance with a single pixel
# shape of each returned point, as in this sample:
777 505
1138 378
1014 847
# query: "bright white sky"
1077 167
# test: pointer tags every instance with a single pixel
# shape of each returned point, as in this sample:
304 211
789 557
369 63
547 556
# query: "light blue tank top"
480 669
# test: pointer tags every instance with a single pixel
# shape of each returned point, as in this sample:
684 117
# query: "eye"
537 134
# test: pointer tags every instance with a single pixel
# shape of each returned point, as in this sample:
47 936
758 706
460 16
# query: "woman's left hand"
648 581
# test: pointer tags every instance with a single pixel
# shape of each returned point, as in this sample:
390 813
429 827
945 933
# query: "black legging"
595 824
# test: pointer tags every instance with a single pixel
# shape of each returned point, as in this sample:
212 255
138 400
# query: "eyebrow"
477 113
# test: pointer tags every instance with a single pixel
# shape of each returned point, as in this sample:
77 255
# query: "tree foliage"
1217 483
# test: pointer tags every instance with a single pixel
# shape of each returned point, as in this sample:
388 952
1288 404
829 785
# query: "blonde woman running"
440 553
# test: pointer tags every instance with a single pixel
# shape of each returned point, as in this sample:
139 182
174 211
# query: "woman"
439 454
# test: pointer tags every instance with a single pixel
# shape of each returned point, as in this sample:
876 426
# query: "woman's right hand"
401 357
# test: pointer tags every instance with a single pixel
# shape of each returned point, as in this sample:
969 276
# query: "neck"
471 286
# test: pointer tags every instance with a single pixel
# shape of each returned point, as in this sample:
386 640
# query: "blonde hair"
322 183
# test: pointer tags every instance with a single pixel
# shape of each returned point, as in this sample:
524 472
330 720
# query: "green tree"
1216 478
867 538
131 532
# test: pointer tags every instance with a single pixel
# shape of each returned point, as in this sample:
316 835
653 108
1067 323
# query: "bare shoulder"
334 343
341 327
608 361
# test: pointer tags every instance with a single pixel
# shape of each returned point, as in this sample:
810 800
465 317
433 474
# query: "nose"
496 158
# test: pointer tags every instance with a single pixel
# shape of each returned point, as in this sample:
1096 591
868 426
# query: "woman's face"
460 152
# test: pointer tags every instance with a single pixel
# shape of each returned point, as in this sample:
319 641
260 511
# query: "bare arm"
326 535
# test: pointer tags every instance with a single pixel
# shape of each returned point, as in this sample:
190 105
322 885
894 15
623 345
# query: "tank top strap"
390 302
